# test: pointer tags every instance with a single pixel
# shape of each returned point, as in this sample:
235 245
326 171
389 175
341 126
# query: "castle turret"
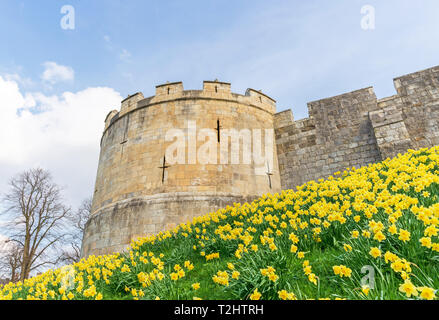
179 154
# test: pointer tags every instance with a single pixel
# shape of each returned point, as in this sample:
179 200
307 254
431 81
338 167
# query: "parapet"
217 87
283 119
168 89
215 90
419 88
416 89
337 118
174 91
110 117
259 98
130 102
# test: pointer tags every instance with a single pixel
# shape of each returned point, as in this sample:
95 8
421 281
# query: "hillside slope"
369 233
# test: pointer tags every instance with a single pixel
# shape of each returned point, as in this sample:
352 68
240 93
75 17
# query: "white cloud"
25 82
59 133
55 73
125 55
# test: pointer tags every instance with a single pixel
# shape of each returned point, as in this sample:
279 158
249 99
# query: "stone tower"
153 170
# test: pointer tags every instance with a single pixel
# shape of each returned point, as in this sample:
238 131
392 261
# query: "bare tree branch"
37 214
10 261
78 221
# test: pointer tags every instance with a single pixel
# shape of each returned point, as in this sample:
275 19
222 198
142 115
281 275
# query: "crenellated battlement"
169 89
131 101
174 91
421 87
217 87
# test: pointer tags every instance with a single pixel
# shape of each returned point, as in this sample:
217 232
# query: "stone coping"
169 84
130 96
342 95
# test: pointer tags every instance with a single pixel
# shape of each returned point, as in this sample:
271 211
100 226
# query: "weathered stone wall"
338 134
355 129
420 95
131 197
389 128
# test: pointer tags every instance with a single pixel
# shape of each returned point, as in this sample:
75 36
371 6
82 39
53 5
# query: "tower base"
112 228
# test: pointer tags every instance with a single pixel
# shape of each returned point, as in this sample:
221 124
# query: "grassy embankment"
311 243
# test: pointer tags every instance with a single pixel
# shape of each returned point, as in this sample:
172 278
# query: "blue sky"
295 51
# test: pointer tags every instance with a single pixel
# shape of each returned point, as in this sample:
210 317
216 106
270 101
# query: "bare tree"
37 218
78 222
10 261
